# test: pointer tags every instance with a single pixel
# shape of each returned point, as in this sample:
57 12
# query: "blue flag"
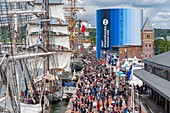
129 72
41 25
110 59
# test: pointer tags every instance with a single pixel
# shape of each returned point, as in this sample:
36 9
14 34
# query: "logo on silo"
105 41
105 22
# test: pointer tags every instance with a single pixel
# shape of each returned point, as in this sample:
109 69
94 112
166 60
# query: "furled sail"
62 60
60 29
55 28
25 108
60 40
56 11
53 40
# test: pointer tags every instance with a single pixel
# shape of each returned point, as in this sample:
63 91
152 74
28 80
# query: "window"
146 45
149 45
146 56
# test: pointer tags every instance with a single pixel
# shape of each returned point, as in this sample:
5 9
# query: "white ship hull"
25 108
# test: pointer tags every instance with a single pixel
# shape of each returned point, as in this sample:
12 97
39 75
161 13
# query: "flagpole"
133 99
110 69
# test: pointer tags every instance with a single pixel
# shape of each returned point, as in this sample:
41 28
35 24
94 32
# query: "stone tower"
147 40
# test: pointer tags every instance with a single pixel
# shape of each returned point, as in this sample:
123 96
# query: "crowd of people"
99 91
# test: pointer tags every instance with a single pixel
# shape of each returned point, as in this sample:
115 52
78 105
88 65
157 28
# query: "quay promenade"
98 91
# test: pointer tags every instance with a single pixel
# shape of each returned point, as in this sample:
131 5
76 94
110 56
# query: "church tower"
147 40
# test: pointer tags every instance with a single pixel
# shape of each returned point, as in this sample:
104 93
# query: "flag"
74 15
41 25
110 59
40 38
79 24
83 28
129 73
76 45
43 4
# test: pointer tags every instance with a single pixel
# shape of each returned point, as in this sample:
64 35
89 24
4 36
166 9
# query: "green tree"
162 45
92 35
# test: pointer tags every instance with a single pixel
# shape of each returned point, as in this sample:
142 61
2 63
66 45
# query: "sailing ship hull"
56 96
25 108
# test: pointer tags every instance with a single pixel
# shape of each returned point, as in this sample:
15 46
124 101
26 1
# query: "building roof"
168 38
147 25
161 59
55 2
157 83
120 7
162 38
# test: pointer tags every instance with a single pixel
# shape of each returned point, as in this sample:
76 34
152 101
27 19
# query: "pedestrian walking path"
98 92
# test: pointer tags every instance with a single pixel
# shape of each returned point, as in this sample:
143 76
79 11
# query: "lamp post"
138 96
132 99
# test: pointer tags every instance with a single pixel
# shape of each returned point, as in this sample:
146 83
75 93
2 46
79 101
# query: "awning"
76 65
65 76
157 83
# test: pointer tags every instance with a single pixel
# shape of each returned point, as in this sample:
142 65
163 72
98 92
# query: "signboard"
69 84
105 29
69 90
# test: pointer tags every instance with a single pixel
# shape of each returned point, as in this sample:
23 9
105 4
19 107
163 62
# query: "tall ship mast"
14 69
14 16
77 29
58 41
76 26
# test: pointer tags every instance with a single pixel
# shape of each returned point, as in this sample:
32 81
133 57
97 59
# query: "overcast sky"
158 11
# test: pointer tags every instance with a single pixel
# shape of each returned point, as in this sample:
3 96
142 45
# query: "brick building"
156 76
146 50
147 40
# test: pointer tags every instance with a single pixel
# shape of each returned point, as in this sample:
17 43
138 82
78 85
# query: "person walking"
117 103
76 104
103 99
107 104
72 105
98 106
120 103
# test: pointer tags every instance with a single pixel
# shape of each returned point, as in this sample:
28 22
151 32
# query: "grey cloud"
151 9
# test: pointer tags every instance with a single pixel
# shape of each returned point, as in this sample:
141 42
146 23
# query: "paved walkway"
96 86
95 110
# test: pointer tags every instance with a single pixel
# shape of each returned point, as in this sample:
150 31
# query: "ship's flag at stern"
129 73
40 33
43 4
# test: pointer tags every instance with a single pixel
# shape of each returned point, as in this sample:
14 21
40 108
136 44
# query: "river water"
59 107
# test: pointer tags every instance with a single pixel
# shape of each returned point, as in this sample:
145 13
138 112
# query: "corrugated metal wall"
125 27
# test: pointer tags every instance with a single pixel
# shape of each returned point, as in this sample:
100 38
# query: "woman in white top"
94 104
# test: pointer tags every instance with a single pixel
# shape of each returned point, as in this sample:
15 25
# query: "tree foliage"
92 35
161 32
162 45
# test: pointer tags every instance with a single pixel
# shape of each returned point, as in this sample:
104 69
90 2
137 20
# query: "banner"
105 29
68 84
